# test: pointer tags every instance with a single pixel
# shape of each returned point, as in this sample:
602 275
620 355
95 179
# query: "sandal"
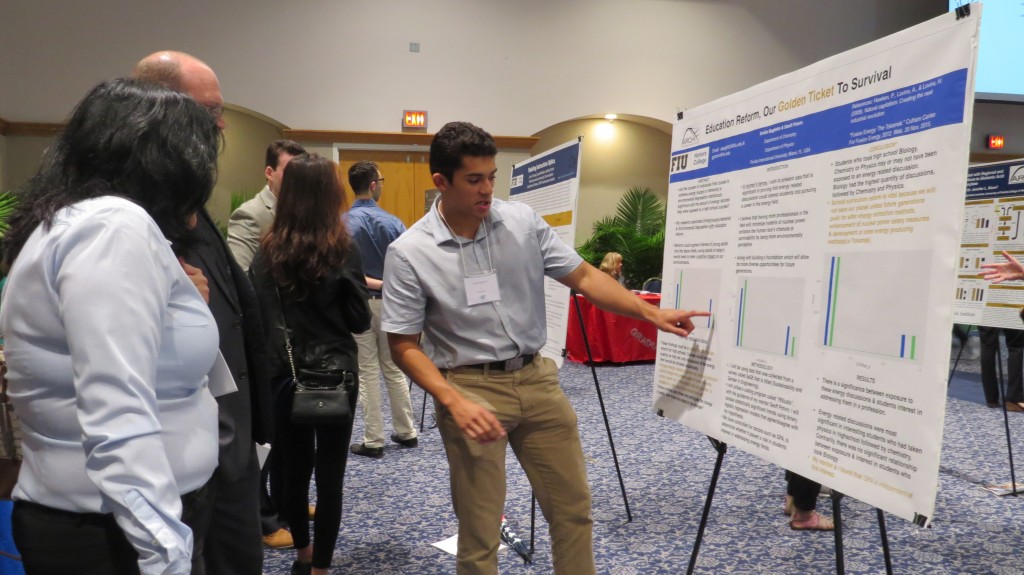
813 522
788 508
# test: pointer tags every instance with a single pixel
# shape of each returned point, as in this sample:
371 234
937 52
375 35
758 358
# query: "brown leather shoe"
280 539
1014 406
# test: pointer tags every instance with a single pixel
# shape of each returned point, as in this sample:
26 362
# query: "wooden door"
406 180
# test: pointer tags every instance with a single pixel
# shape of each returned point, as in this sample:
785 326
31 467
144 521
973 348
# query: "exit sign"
414 119
995 142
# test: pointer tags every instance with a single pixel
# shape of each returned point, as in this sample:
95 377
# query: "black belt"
514 364
371 296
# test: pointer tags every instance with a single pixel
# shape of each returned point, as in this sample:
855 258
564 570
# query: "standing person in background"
373 230
611 264
251 219
469 275
309 277
109 340
246 225
801 504
234 543
1014 366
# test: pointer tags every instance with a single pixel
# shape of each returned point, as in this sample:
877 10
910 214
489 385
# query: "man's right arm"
243 237
475 421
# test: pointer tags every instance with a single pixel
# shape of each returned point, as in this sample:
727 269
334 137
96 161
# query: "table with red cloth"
613 338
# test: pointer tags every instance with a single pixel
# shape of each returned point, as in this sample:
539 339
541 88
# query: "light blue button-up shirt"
424 288
373 229
108 347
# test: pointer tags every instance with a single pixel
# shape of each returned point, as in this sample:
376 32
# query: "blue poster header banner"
908 110
996 180
546 170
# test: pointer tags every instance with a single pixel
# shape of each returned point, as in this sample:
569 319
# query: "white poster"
992 223
550 184
817 216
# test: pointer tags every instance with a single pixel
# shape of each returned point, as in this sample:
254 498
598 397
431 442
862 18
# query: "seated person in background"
612 265
801 500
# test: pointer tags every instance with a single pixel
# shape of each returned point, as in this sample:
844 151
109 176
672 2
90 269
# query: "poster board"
550 184
817 216
993 214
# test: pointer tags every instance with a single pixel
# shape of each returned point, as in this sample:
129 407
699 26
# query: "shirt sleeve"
403 308
113 283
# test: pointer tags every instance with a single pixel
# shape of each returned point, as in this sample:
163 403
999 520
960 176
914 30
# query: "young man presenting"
470 276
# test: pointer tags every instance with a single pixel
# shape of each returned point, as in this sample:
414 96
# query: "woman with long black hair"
309 278
108 340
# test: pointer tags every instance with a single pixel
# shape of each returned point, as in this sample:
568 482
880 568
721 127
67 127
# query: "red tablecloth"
613 338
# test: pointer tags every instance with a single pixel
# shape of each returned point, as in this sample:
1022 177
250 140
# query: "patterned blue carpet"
397 506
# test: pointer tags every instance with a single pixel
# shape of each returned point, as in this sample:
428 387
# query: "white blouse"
108 347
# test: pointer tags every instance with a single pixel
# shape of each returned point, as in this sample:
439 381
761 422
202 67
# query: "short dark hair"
361 175
275 148
128 138
455 141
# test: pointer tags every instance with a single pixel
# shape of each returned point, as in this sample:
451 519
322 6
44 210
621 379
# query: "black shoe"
362 449
301 568
411 442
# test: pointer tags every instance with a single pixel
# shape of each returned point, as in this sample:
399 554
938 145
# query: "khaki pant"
375 359
542 430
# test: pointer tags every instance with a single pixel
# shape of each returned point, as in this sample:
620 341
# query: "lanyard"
462 254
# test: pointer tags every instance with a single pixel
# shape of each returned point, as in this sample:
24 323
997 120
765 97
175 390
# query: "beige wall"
3 162
241 159
22 155
240 167
616 157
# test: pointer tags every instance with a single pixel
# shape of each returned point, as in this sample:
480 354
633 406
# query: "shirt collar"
442 234
364 202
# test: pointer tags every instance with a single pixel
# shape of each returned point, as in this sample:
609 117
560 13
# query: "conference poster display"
817 216
550 184
992 223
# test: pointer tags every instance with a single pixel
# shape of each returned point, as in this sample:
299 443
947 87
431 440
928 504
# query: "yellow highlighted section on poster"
559 219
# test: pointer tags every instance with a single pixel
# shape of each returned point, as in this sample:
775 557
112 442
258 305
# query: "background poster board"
992 223
811 214
550 184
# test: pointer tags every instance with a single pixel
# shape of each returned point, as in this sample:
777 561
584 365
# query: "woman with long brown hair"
309 278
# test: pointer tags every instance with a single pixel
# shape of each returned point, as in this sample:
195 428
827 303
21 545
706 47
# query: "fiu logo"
690 137
1017 174
678 163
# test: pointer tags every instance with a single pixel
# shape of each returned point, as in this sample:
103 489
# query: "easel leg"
1000 382
721 448
885 541
837 517
600 399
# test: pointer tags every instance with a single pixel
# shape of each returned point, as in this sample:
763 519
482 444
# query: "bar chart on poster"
695 287
769 314
872 303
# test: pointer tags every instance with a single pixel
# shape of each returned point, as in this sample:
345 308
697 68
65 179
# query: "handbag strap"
287 340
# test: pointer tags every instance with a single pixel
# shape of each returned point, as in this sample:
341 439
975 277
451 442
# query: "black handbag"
321 396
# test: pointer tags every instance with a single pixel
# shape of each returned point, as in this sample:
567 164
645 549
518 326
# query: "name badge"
482 289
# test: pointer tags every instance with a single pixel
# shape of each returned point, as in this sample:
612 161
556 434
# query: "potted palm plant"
637 231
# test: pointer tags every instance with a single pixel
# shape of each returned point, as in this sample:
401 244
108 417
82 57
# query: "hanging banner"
817 216
550 184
